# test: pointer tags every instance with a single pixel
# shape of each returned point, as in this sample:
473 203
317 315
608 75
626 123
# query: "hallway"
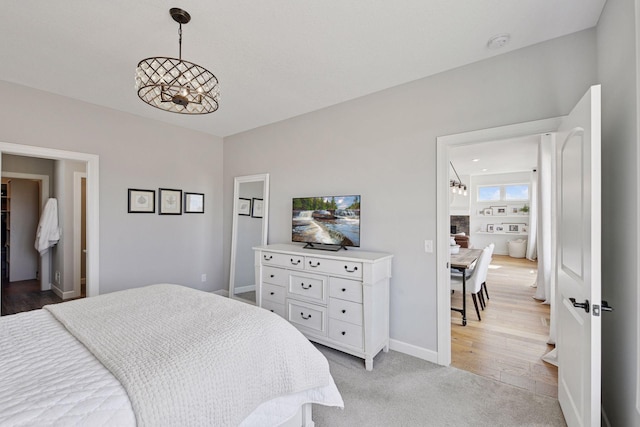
26 296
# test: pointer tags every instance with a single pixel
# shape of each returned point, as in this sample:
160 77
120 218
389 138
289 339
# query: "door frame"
93 200
443 144
77 224
44 262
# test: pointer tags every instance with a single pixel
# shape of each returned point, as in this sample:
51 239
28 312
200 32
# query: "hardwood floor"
507 345
26 296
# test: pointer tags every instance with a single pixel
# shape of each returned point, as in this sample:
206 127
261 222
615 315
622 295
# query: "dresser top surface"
347 255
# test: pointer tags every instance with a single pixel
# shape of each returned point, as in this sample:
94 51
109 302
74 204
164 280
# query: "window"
516 192
488 194
507 192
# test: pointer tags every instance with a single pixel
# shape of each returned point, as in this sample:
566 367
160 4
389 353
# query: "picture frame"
244 206
499 227
487 211
512 228
513 210
193 203
490 228
170 201
499 210
141 201
257 208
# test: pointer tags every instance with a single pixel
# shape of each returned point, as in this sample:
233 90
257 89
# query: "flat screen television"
326 220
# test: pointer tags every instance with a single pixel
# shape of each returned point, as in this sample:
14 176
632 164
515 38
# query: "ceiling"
275 59
508 155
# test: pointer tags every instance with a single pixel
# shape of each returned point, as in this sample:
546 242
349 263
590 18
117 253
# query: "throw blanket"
187 357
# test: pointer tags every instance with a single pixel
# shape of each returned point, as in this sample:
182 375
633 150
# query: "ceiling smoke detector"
496 42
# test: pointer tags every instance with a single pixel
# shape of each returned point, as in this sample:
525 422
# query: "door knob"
606 306
584 304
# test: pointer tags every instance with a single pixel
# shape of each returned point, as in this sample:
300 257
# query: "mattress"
47 377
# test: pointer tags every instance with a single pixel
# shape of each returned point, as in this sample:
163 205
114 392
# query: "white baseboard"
243 289
64 295
413 350
222 292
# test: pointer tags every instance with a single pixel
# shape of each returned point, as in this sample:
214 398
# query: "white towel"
48 233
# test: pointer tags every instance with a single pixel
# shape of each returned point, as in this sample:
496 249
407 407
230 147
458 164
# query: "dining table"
463 261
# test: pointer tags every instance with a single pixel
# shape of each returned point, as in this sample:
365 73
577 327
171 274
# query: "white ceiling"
275 59
508 155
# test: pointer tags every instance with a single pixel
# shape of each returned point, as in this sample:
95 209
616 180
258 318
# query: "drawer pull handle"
350 271
344 289
344 311
267 257
296 262
344 333
272 276
272 311
314 266
305 318
272 293
303 287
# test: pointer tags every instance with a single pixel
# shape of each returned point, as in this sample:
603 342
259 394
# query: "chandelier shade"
176 85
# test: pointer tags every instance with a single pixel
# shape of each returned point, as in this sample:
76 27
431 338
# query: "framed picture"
244 206
257 207
514 210
170 201
512 228
499 210
499 227
487 211
490 228
141 201
193 203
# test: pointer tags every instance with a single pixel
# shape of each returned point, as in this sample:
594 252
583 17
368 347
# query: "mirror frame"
264 178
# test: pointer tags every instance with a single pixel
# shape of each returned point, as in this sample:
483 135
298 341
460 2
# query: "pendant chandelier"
457 186
175 85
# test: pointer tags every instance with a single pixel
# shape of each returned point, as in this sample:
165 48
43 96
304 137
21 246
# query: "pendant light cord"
180 42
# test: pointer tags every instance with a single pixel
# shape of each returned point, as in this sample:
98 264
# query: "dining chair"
474 281
484 282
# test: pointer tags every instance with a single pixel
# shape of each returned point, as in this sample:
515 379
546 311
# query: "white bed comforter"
190 358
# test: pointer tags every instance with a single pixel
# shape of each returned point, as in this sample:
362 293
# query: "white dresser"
338 299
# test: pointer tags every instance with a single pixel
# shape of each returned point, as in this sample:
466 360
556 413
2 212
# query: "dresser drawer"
274 307
350 290
307 317
345 333
282 260
311 287
275 276
345 311
273 293
329 266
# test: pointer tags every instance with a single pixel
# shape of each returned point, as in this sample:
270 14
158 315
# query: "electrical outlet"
57 277
204 278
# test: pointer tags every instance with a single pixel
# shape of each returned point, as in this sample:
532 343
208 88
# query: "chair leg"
475 303
482 303
484 286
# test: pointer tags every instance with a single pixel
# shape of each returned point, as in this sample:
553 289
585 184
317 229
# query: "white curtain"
545 219
532 243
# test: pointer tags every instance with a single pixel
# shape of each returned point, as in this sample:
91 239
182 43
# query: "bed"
159 355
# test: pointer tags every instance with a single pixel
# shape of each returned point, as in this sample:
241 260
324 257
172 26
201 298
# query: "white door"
578 257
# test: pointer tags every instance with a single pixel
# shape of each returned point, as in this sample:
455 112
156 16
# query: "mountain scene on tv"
331 220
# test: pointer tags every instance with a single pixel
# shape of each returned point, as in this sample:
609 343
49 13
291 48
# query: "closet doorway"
90 168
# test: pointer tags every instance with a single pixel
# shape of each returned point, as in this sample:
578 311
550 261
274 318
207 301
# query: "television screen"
328 220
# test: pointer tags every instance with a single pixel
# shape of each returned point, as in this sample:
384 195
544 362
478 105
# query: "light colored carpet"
406 391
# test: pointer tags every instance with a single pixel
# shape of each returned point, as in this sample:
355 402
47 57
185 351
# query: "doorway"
91 167
444 144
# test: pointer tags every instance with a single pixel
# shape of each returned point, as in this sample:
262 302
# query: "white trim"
77 232
64 295
243 289
443 143
93 200
44 262
414 350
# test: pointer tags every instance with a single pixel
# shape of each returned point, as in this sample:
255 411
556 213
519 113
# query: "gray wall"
25 199
618 73
382 147
135 249
32 165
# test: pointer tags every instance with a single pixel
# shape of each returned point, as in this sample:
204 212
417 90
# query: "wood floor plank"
507 345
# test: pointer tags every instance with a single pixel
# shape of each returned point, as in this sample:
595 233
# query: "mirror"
249 229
